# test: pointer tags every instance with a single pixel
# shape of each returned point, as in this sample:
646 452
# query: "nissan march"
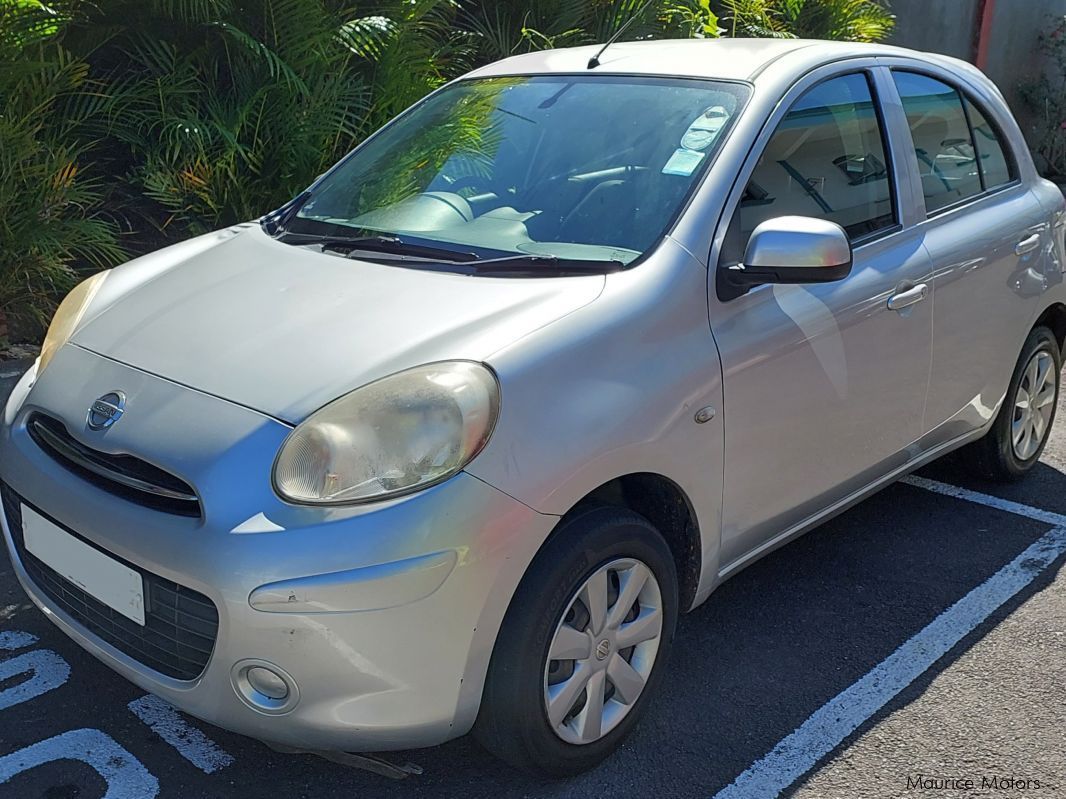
449 441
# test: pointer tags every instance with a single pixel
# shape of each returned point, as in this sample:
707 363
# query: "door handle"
1027 244
897 302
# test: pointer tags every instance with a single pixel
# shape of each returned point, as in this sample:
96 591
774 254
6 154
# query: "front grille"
123 475
180 624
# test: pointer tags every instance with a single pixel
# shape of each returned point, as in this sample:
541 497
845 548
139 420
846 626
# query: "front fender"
611 390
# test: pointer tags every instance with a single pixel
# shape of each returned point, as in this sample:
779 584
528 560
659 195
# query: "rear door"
986 234
824 384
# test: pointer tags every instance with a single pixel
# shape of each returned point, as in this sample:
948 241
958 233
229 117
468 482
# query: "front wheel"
583 645
1017 437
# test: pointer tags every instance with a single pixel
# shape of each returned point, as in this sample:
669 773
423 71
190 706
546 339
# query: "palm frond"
276 65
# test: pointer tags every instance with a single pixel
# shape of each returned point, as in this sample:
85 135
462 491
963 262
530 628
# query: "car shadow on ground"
1043 487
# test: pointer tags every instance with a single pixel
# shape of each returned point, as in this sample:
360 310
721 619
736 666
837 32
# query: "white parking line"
167 723
16 639
126 777
1057 519
828 726
8 611
49 672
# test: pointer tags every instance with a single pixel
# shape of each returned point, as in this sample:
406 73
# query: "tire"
998 456
513 722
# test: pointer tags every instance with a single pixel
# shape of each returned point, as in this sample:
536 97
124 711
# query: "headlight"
68 315
394 436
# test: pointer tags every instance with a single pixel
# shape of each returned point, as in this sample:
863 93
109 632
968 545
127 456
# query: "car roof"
728 59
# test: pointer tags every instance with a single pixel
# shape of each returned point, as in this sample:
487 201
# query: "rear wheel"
583 645
1017 438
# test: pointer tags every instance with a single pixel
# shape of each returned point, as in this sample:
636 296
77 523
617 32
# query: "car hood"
284 329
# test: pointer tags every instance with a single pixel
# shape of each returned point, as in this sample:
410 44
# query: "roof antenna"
595 60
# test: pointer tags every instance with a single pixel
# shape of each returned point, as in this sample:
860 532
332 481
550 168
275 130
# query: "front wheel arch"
512 723
666 505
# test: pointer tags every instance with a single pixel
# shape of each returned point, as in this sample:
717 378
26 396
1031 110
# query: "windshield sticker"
703 131
683 162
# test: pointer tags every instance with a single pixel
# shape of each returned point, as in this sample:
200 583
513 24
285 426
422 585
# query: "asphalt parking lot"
919 637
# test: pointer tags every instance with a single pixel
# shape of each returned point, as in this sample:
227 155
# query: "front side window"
947 157
584 167
826 159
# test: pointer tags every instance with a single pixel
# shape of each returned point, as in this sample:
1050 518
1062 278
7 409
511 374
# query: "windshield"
582 168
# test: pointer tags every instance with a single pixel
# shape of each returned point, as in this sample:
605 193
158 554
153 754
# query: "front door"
825 385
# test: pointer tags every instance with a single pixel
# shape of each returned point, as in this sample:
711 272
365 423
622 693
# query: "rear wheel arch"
1054 318
1020 421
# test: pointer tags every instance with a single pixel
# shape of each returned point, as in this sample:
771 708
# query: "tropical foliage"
51 198
851 20
126 124
1046 98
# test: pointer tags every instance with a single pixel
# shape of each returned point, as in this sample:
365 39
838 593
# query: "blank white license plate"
116 585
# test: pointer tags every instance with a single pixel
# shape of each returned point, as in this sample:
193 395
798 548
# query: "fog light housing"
267 682
264 687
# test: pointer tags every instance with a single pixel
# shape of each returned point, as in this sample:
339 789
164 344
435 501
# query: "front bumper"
397 604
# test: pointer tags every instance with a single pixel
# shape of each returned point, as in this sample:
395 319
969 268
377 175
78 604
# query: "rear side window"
991 150
947 156
826 159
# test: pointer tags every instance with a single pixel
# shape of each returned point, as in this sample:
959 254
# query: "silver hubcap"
1033 405
603 651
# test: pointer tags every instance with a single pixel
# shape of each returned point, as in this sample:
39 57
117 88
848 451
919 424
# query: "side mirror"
793 249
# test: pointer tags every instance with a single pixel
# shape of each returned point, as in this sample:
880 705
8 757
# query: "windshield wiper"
424 256
535 265
392 245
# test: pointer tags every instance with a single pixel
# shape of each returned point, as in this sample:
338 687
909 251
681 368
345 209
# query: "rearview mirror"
793 249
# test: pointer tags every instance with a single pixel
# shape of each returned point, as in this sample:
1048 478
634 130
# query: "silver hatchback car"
447 443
